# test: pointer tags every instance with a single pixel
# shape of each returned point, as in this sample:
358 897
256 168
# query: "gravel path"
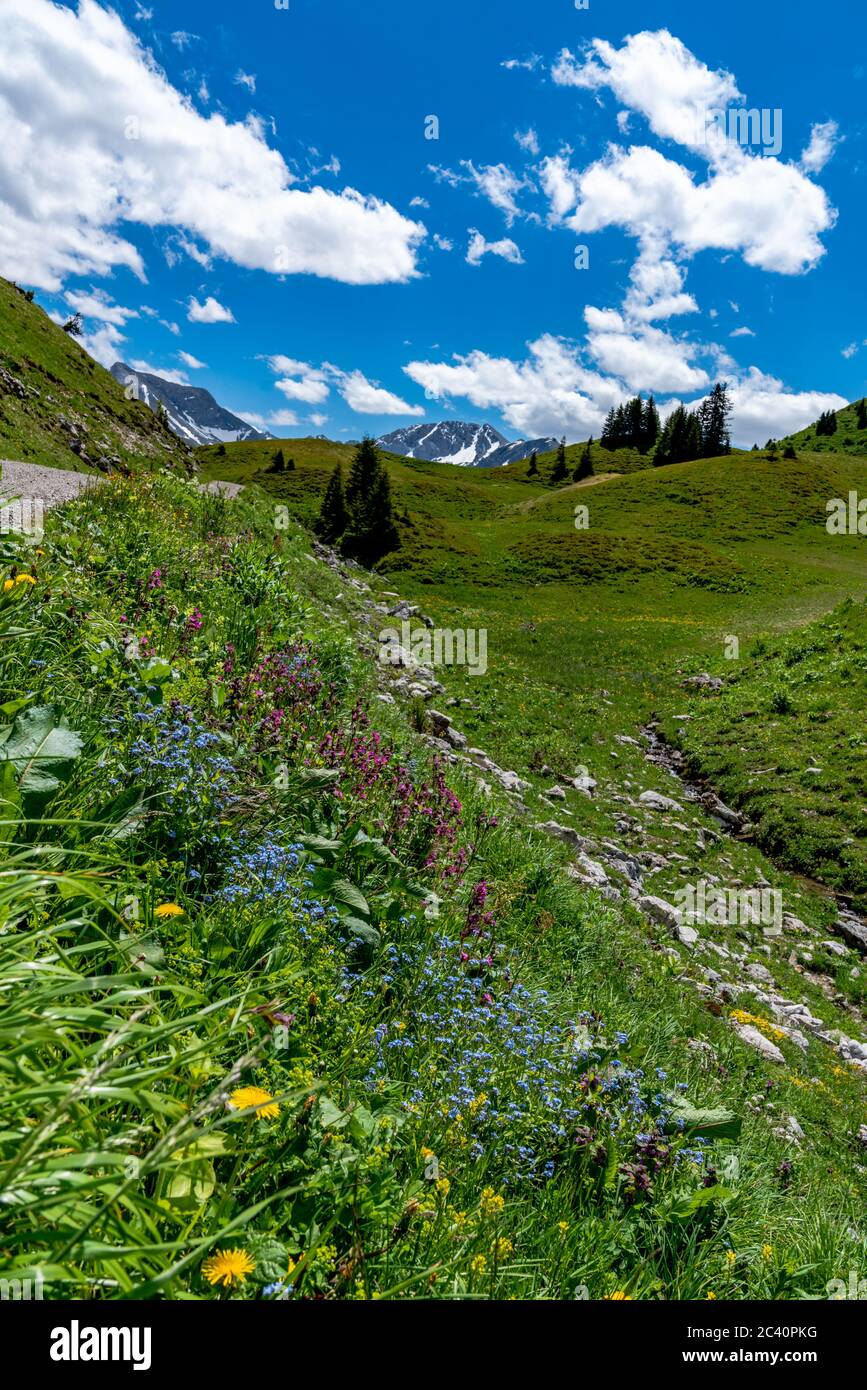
50 486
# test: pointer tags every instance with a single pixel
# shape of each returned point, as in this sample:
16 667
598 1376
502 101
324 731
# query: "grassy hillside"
785 740
848 438
674 560
52 392
287 1002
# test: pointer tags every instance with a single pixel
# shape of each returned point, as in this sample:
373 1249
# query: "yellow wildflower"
562 1227
478 1264
228 1267
168 910
502 1248
491 1203
730 1257
619 1296
767 1252
246 1096
442 1186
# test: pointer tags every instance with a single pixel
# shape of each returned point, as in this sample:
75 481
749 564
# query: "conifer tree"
533 470
861 414
560 469
606 439
634 422
681 439
333 516
584 467
713 415
371 531
827 422
649 426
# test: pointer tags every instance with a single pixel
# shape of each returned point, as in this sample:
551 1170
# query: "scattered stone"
657 802
703 681
732 819
660 911
792 923
555 794
561 832
511 782
853 930
760 973
588 871
748 1033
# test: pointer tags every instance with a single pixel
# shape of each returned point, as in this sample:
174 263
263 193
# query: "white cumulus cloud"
824 138
479 247
211 311
93 135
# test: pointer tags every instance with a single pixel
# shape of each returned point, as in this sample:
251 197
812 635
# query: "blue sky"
179 172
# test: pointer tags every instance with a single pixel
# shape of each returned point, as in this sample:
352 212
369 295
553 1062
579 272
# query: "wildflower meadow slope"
289 1008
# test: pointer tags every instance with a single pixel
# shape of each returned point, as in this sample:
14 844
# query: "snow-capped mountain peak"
191 411
459 442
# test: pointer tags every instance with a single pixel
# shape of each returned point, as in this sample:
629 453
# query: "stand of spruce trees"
634 425
697 434
361 519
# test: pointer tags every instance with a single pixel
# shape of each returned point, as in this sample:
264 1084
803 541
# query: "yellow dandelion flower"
426 1152
168 910
710 1294
491 1203
619 1296
246 1096
478 1264
228 1267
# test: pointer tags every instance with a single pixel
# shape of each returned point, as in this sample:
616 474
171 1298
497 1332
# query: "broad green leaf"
709 1124
42 749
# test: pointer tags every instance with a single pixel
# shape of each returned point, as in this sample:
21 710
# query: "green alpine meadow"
433 672
336 966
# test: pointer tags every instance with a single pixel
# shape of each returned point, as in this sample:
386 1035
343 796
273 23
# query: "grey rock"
660 911
657 802
748 1033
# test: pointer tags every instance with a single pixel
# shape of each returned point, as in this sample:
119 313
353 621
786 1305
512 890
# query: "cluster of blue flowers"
501 1068
176 755
267 871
